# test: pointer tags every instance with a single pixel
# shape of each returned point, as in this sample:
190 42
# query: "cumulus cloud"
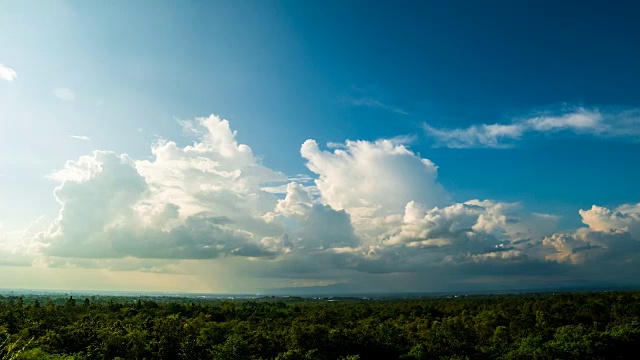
216 174
403 217
581 120
373 208
96 193
463 223
199 201
209 199
625 218
64 94
7 73
314 225
429 238
611 235
371 179
423 240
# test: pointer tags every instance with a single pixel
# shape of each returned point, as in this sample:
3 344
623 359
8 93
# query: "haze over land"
242 147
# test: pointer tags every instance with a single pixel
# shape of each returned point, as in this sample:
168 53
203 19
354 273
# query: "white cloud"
107 211
371 179
7 73
610 235
374 208
625 217
96 193
80 137
579 120
199 201
590 247
209 199
435 226
476 136
584 121
64 94
473 227
214 174
313 225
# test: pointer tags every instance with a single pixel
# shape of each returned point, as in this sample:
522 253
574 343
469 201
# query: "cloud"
429 238
418 239
476 136
314 225
200 201
374 211
7 73
64 94
624 217
464 223
208 199
214 174
612 123
370 179
611 235
374 103
80 137
13 251
578 120
370 200
164 266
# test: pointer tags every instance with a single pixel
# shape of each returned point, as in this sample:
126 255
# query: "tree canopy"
532 326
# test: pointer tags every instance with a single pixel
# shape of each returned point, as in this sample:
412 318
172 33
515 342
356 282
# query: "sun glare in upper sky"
319 146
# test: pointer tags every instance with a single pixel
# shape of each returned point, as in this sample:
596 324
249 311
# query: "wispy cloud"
64 94
80 137
374 103
475 136
7 73
578 120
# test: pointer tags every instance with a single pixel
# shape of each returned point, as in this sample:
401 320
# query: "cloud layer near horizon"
375 208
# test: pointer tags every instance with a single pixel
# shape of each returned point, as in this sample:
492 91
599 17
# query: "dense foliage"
562 326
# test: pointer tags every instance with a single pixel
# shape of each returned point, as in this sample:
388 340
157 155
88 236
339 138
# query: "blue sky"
514 102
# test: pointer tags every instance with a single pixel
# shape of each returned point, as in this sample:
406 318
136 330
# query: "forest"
603 325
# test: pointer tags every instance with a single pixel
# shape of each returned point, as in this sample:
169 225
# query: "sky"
326 147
